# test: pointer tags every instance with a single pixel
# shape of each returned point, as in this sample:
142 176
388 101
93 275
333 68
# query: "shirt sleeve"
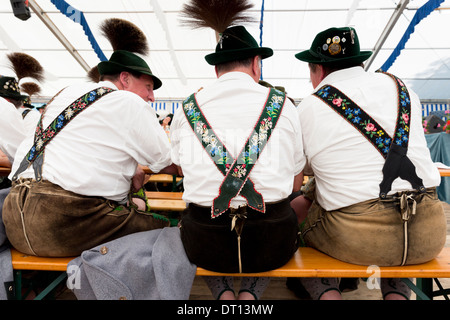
12 131
149 141
175 130
299 156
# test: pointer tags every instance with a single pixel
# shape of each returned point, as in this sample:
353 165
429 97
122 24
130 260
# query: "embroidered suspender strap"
388 147
43 137
236 171
25 112
357 117
397 162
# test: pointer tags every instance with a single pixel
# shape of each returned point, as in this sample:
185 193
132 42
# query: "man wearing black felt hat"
238 145
375 199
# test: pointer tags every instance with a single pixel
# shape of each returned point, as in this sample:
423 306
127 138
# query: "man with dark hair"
94 137
375 199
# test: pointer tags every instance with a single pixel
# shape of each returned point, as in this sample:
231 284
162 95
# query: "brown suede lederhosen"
373 232
43 219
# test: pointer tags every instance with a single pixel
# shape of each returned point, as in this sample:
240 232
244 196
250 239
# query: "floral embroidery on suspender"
364 123
215 147
42 137
243 164
259 137
404 109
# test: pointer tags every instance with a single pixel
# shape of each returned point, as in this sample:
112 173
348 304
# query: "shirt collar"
235 75
341 75
108 84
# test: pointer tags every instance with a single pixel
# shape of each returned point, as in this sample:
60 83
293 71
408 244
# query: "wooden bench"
306 262
166 180
164 195
166 204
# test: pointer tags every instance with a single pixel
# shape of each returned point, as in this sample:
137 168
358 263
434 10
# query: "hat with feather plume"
224 16
127 41
29 73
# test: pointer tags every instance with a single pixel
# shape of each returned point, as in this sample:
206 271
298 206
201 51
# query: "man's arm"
298 182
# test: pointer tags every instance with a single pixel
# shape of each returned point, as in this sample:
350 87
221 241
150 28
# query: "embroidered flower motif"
239 171
405 117
370 127
91 96
69 113
31 153
39 144
60 121
323 92
337 101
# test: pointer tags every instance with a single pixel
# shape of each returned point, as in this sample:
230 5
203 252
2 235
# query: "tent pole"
58 34
387 30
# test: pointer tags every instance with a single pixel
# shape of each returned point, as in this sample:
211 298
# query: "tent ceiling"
177 53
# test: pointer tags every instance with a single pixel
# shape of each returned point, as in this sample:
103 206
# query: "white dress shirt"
347 167
97 152
12 130
232 105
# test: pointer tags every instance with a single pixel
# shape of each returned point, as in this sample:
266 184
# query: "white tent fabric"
177 53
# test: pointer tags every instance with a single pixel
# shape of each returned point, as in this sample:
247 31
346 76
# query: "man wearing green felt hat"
81 168
375 199
236 143
122 60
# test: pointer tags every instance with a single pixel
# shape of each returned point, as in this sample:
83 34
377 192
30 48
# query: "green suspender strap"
43 137
392 149
236 171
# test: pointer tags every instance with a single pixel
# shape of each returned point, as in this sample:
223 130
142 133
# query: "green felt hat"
9 88
335 45
236 43
122 60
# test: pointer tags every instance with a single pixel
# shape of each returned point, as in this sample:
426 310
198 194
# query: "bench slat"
163 178
166 204
164 195
21 261
307 262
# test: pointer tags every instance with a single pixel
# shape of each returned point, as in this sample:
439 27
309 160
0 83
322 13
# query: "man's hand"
138 179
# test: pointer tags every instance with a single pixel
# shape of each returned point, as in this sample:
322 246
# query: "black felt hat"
335 45
9 88
236 43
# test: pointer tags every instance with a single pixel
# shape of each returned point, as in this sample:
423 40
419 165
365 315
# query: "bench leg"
18 282
441 292
422 289
51 286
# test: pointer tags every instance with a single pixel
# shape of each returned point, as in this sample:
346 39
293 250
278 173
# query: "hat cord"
226 35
